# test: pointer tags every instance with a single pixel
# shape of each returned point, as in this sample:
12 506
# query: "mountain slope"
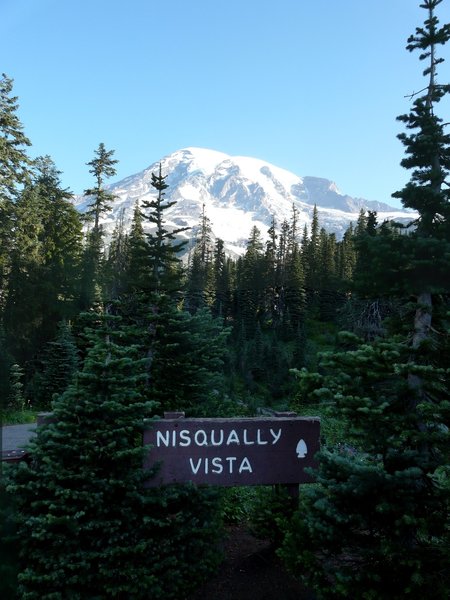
238 192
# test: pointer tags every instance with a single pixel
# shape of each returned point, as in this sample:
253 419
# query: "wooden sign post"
232 452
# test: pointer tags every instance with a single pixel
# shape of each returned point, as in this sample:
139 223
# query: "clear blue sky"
313 86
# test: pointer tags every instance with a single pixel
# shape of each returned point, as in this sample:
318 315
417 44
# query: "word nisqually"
217 437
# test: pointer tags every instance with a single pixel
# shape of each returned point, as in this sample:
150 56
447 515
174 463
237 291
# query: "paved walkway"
16 436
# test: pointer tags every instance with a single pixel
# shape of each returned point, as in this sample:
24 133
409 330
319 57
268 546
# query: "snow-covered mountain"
238 192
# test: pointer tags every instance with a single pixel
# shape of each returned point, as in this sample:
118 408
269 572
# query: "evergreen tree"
271 254
295 297
274 272
162 246
14 161
102 168
375 525
223 277
16 400
427 144
6 229
282 251
251 285
188 354
361 224
366 229
380 513
117 261
311 258
199 291
371 226
346 259
293 278
87 528
92 282
92 271
6 360
329 297
8 547
14 172
60 363
45 255
22 318
61 239
137 271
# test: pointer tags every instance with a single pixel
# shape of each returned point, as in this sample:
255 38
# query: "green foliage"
333 428
199 289
59 365
427 145
318 336
272 507
6 360
237 505
117 262
136 267
8 546
187 358
262 508
380 511
95 531
396 264
92 278
16 400
14 162
18 417
163 264
44 261
376 525
102 167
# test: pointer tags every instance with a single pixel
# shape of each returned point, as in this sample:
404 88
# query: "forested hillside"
57 264
105 333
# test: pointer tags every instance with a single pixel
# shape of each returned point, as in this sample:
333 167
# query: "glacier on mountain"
238 193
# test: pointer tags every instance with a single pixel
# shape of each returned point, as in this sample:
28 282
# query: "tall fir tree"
14 160
22 319
223 276
294 278
187 357
346 259
251 285
102 168
60 362
45 257
377 525
200 283
95 531
16 400
14 173
137 269
163 246
329 296
61 239
92 280
117 261
311 258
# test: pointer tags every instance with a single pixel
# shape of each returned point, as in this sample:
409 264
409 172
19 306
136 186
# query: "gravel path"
16 436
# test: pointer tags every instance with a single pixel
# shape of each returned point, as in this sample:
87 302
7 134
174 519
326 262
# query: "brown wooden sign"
232 452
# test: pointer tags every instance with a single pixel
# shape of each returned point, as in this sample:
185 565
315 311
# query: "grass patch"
17 417
332 429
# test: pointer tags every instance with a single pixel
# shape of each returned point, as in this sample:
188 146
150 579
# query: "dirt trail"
250 571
